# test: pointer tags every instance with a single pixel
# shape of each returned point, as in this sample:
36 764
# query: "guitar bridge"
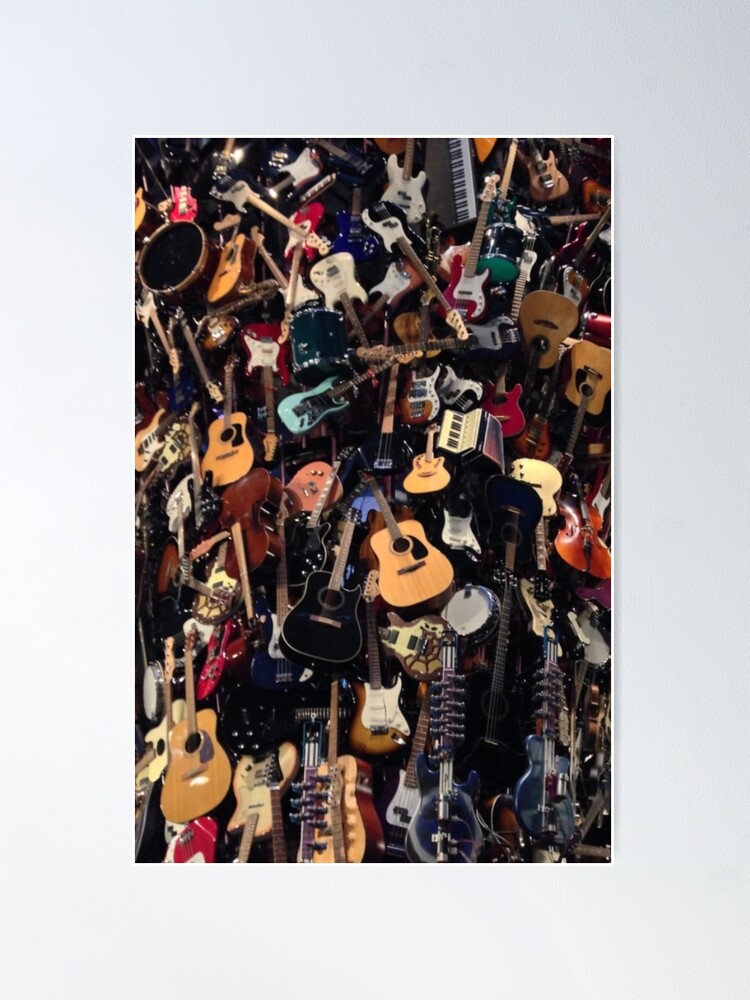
410 569
325 621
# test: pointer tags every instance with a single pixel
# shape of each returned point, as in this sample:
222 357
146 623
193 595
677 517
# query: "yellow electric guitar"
229 455
428 474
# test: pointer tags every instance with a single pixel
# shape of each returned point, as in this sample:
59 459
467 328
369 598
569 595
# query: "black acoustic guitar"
322 630
512 510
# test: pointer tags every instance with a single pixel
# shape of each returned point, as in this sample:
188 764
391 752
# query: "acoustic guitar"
236 268
199 773
428 473
229 454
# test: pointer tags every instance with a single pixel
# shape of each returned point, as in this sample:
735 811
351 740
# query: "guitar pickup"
410 569
325 621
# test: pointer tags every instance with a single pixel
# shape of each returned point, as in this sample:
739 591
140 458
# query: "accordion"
473 435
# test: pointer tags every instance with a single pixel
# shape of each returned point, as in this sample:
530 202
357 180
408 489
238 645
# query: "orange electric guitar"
229 455
199 772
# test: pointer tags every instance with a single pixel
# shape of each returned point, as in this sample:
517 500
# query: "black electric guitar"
322 630
386 451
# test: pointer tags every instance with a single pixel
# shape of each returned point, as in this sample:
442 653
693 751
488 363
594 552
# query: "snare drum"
502 249
177 261
474 613
318 344
153 691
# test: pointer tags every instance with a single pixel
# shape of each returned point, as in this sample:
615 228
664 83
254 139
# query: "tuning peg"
295 802
319 824
295 817
317 846
324 779
322 796
296 787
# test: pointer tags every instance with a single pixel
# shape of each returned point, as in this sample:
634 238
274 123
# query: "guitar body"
378 725
492 726
229 454
464 825
351 238
303 488
412 571
149 821
420 403
537 188
543 477
534 441
385 453
250 785
462 394
427 476
587 355
468 295
502 496
236 268
574 286
271 670
594 196
499 339
416 645
323 636
546 319
307 219
184 206
307 551
148 440
506 407
261 343
407 194
301 411
558 826
398 807
458 533
195 843
157 738
198 777
335 276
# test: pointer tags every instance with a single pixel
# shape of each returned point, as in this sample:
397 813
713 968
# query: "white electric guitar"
403 189
336 279
461 394
305 168
457 533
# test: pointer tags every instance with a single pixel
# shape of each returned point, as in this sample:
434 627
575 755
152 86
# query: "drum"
597 327
177 261
474 613
502 249
153 691
318 344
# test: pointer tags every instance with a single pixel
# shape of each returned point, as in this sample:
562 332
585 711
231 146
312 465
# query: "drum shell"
597 327
319 344
458 613
177 262
502 249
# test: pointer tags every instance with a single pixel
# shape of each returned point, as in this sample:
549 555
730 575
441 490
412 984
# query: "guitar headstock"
371 588
453 318
169 660
490 188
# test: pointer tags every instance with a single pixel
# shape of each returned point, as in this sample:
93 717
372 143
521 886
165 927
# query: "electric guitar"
229 454
545 180
420 402
303 488
573 283
467 290
428 473
542 796
416 645
386 450
462 394
445 827
403 189
412 572
199 773
301 411
378 725
351 238
184 206
504 405
403 803
336 279
251 786
265 350
194 842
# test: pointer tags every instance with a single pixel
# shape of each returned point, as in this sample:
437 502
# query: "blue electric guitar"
445 827
352 237
542 797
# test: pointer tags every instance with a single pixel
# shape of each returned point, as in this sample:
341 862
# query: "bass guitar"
445 827
467 290
403 189
403 803
386 451
378 726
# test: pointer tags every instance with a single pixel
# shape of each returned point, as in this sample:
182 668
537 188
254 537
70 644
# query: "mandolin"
322 630
199 773
428 473
412 572
229 454
445 827
378 725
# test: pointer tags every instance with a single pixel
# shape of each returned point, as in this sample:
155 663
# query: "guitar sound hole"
401 545
192 742
494 707
510 533
227 434
330 600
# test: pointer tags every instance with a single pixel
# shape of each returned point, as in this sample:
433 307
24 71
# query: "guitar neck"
337 575
410 253
215 391
190 713
408 159
521 281
278 843
583 253
248 835
335 791
373 648
418 743
385 509
268 394
505 183
353 318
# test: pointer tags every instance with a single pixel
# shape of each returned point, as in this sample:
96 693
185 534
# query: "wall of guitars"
372 500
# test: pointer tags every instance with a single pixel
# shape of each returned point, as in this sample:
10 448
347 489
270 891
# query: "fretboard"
418 743
314 518
248 835
278 843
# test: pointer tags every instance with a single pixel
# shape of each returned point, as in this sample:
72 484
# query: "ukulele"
322 630
403 189
199 773
428 473
445 827
467 290
542 798
545 180
271 670
412 572
378 725
229 454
